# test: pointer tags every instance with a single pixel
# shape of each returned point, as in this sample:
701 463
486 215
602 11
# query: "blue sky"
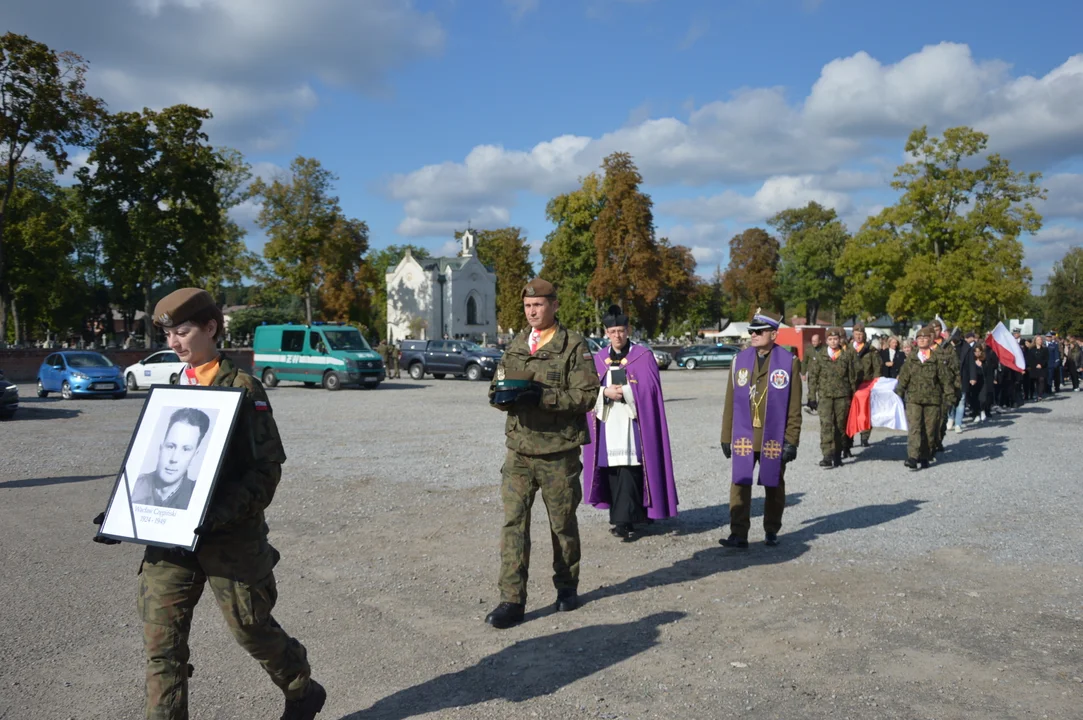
438 112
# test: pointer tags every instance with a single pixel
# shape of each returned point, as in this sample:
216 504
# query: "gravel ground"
955 592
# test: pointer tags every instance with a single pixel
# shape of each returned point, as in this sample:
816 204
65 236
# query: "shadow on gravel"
711 519
29 412
973 448
42 482
526 670
717 559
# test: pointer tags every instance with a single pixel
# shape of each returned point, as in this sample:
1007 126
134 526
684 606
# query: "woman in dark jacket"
1037 358
891 359
982 395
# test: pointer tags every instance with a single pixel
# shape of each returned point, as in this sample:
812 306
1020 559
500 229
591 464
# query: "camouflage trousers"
557 476
924 434
170 585
833 414
773 506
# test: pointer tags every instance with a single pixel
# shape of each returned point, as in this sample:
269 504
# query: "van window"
314 340
346 339
293 340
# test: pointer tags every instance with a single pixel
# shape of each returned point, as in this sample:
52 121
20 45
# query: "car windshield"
346 340
87 360
473 347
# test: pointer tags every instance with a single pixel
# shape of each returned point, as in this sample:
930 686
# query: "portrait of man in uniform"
170 484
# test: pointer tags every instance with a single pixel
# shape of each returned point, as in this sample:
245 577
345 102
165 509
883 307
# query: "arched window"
471 311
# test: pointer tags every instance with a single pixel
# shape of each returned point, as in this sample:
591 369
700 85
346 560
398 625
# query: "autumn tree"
43 108
812 240
627 254
314 252
1064 294
153 194
677 274
507 252
751 276
950 245
568 254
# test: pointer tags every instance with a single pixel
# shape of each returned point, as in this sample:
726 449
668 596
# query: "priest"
627 465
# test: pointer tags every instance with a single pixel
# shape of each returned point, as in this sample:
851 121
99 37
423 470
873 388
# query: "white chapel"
456 297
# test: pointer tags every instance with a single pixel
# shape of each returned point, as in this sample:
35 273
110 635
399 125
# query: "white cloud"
775 195
1048 246
756 135
255 64
1065 197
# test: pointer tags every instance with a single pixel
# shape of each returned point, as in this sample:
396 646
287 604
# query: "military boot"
567 600
847 454
827 462
734 541
306 708
838 458
505 615
911 463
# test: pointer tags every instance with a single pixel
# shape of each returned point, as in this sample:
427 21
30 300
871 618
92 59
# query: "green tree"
309 240
626 269
44 108
568 254
231 261
677 272
342 282
153 195
1064 294
507 252
950 245
813 239
751 276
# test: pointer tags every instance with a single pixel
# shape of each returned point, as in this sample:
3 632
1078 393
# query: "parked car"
661 357
80 372
711 356
441 358
690 350
9 398
161 368
331 354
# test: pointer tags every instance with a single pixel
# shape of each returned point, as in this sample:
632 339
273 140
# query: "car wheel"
42 392
331 381
173 379
439 376
65 391
417 371
269 378
130 382
690 364
473 372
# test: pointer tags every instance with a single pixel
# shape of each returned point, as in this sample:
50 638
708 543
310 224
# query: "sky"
438 113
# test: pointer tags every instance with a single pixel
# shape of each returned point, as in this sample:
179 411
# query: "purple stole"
774 422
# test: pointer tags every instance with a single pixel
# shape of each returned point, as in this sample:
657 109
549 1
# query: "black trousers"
626 495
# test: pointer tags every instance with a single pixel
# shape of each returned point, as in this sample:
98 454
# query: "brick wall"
22 365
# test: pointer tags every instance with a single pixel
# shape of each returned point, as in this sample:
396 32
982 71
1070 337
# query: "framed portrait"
172 464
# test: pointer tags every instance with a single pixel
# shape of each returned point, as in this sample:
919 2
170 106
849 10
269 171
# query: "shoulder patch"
587 356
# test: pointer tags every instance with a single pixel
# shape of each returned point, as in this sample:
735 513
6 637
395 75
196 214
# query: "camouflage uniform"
866 367
811 354
923 386
233 557
831 385
543 454
946 355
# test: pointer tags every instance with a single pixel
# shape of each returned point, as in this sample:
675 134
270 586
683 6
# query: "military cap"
859 327
836 331
763 320
509 384
186 304
928 331
539 288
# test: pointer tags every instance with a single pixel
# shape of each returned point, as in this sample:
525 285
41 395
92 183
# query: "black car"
441 358
9 398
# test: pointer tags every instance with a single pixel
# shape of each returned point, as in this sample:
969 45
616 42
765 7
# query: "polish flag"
875 404
1006 347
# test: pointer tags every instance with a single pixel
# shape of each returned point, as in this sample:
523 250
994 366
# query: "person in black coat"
983 393
891 359
1037 358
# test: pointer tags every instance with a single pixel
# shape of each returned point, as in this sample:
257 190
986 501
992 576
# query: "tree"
950 245
507 252
43 107
568 254
750 277
310 242
1064 294
342 281
153 194
813 239
677 273
231 261
626 269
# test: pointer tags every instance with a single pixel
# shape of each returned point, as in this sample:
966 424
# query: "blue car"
80 372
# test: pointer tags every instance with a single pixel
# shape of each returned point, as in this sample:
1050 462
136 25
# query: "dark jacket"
896 365
1035 357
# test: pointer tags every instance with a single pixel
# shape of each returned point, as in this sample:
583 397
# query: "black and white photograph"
172 464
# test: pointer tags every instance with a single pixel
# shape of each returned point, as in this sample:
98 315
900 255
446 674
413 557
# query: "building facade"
436 297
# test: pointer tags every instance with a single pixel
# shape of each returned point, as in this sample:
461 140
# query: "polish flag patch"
262 406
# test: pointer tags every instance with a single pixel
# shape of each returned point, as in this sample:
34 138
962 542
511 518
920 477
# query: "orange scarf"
206 372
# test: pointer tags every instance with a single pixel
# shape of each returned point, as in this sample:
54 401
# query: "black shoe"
770 539
827 462
506 615
864 442
306 708
911 463
567 600
622 530
924 464
846 454
838 459
734 541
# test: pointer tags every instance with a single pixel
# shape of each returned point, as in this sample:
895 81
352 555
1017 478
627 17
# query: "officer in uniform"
866 367
923 382
392 362
546 426
233 556
945 354
831 378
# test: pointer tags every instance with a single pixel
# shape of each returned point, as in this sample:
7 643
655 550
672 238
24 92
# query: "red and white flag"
875 404
1006 348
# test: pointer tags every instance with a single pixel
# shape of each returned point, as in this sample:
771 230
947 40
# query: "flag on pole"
1006 347
875 404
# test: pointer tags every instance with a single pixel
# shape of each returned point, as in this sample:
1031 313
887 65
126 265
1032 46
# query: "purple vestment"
743 379
651 434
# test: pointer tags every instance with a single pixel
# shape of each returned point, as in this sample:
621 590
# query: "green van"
331 354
